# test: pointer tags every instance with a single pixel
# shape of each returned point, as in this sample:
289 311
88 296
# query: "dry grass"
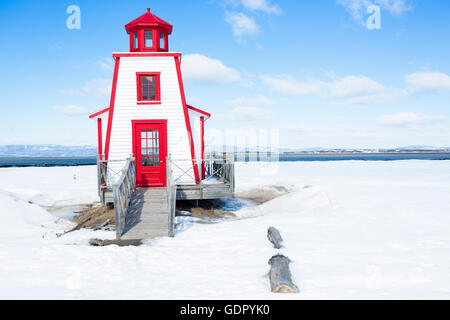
95 216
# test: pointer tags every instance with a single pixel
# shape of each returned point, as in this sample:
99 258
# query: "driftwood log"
103 225
280 275
274 236
78 227
120 243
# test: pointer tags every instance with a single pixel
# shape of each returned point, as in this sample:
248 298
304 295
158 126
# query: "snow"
353 230
53 187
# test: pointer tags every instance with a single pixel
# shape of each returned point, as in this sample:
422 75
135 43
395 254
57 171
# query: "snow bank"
58 186
354 230
21 219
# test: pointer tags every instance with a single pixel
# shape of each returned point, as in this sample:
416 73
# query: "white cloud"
55 47
358 8
71 110
201 69
351 90
250 114
251 101
99 86
396 7
106 64
385 96
297 128
352 86
261 5
288 85
428 80
406 118
241 24
345 91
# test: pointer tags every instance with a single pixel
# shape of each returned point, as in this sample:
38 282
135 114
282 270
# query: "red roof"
149 20
207 114
98 113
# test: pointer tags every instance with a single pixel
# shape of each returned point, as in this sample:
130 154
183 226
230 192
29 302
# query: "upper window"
148 39
136 42
161 40
149 90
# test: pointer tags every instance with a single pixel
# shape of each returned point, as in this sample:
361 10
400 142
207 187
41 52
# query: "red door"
150 150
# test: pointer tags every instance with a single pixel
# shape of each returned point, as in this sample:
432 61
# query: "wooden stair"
148 215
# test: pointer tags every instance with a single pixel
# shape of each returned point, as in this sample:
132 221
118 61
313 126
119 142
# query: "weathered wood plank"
120 243
148 215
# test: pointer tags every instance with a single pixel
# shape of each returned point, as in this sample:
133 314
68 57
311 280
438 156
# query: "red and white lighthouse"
148 117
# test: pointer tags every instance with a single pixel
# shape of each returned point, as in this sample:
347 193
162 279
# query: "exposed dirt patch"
95 217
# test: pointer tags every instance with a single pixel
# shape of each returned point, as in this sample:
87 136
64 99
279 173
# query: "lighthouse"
151 148
148 117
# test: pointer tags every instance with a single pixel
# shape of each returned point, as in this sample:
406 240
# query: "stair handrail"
171 196
123 190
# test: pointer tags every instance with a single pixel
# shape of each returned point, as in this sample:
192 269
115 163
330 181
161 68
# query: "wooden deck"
193 192
146 213
205 191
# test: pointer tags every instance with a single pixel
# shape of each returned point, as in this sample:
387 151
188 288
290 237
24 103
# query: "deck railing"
171 188
101 177
108 174
123 191
219 168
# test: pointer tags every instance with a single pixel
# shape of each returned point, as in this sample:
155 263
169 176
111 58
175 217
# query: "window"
161 40
150 148
136 44
148 35
149 90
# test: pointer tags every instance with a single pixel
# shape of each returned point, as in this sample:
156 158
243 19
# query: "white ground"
354 230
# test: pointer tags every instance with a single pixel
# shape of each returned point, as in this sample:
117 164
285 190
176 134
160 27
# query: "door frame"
163 122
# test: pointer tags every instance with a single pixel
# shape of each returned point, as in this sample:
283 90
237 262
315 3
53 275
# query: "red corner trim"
202 136
111 111
95 115
186 117
199 111
100 137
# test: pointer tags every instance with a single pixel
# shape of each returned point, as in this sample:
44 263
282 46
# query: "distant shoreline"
18 162
6 162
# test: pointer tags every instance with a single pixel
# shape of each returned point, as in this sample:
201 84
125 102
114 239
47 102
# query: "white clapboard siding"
126 109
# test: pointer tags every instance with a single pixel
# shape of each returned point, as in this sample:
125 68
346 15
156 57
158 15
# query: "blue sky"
310 69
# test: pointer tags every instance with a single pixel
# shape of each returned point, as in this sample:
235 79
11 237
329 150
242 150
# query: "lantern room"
148 33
